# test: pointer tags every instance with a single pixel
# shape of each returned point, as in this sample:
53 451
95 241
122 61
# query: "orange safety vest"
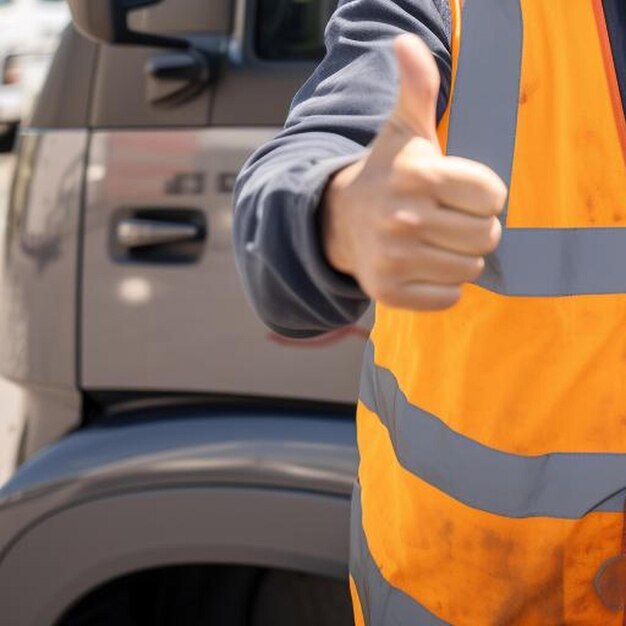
492 436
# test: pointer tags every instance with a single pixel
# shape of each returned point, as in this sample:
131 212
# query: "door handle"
138 232
163 235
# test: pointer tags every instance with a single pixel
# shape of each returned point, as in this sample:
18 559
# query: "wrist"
334 220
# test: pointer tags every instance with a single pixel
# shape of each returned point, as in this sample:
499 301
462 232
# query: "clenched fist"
410 224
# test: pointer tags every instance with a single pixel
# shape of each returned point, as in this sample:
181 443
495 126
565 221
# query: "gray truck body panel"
38 270
119 365
204 488
187 326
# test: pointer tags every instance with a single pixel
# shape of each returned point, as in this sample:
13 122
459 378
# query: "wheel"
292 599
217 595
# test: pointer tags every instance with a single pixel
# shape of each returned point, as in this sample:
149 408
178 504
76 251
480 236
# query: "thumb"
416 107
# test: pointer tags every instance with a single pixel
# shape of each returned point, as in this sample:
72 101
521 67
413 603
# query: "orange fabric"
532 375
569 168
356 604
523 375
472 568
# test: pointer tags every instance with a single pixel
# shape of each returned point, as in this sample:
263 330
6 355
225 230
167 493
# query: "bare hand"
410 224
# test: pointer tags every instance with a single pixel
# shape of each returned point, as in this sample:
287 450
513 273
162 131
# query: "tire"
218 595
292 599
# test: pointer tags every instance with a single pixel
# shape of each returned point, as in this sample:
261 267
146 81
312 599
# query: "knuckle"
490 235
473 268
500 194
400 221
489 187
495 233
407 220
495 194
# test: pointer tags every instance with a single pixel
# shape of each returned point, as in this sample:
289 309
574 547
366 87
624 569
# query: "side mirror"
106 21
173 77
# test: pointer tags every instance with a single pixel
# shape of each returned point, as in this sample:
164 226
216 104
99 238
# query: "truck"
176 462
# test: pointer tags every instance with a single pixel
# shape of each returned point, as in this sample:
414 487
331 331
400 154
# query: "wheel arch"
262 491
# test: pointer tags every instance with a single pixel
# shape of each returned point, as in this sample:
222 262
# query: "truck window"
292 30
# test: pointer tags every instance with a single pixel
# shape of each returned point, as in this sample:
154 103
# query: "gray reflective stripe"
558 262
560 485
382 604
483 114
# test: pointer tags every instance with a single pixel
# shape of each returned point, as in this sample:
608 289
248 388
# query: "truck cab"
176 462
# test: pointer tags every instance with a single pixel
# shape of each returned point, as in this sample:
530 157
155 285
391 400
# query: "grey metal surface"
64 99
49 413
38 279
94 19
119 94
273 83
259 490
12 424
189 328
60 560
140 232
184 16
305 452
11 410
273 86
39 267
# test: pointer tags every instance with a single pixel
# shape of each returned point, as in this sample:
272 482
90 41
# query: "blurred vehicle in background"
29 35
180 464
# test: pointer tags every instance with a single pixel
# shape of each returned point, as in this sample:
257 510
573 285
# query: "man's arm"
333 119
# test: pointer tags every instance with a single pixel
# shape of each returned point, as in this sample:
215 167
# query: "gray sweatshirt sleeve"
333 118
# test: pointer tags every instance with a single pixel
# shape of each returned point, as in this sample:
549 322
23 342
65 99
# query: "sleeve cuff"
327 278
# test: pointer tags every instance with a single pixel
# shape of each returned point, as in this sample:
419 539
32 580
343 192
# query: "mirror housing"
173 78
107 21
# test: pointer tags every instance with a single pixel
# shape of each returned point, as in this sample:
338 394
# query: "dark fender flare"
258 490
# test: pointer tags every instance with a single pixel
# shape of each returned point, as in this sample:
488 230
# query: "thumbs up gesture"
410 224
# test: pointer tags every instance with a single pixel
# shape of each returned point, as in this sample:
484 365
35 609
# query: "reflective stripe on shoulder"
557 485
483 113
383 604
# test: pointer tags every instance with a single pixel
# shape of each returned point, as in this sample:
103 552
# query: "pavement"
11 426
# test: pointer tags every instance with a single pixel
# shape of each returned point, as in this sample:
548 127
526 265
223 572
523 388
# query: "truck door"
161 306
